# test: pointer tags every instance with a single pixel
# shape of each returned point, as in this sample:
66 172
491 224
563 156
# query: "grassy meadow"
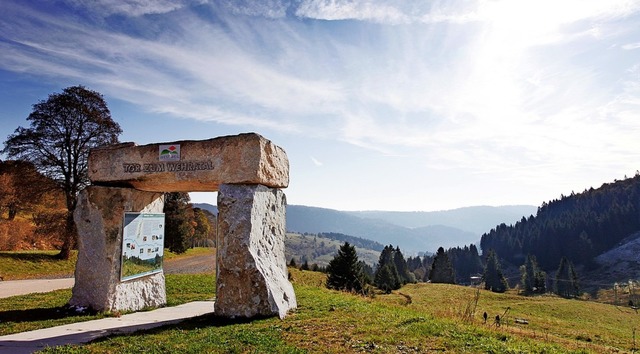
35 264
417 318
16 265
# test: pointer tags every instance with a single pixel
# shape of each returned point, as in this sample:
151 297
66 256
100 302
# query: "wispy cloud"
631 46
207 73
316 161
133 7
484 85
273 9
352 10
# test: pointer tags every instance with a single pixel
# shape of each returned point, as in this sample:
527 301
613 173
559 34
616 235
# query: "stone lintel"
193 166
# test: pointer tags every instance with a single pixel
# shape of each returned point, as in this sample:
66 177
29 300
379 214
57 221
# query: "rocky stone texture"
247 169
253 277
99 218
203 165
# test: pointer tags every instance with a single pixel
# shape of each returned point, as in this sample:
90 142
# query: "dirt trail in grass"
196 264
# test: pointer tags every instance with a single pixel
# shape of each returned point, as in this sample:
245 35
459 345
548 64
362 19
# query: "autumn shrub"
14 234
49 230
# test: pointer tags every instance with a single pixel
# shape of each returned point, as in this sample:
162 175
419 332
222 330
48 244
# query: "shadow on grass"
210 320
194 323
60 312
42 314
30 256
100 335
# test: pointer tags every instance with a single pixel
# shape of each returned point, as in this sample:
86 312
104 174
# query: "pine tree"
561 285
466 262
442 269
528 274
566 284
386 256
541 282
367 270
493 278
401 266
305 265
427 262
344 271
386 277
533 279
178 221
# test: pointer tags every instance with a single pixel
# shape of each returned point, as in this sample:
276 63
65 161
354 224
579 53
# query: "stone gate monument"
128 181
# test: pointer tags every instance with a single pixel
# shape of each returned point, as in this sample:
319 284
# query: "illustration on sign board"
142 245
169 152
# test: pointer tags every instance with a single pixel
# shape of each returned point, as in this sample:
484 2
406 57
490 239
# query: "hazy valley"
414 232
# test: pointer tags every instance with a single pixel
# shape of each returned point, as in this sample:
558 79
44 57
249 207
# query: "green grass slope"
418 318
35 264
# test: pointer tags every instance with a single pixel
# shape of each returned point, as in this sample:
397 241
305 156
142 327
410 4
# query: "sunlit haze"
380 105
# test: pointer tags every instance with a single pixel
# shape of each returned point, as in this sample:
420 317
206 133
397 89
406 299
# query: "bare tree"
62 131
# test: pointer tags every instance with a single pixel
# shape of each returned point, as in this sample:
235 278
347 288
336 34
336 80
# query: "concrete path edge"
84 332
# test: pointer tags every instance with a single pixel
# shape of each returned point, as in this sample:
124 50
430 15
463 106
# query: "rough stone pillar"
99 218
253 277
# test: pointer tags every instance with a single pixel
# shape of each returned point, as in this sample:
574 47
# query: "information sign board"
142 245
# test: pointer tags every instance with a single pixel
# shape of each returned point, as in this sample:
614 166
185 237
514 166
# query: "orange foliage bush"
21 234
14 234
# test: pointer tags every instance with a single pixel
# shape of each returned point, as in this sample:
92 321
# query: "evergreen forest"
579 227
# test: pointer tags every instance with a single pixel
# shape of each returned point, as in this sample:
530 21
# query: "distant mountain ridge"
413 231
475 219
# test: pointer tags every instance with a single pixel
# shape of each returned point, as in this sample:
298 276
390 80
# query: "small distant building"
475 279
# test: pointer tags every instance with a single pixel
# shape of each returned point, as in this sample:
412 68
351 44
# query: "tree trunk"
70 236
13 211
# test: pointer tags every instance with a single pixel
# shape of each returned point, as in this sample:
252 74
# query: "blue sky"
385 105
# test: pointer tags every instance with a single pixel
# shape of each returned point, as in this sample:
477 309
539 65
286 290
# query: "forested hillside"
319 249
578 227
353 240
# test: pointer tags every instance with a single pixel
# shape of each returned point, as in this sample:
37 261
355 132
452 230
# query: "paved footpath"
83 332
23 287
